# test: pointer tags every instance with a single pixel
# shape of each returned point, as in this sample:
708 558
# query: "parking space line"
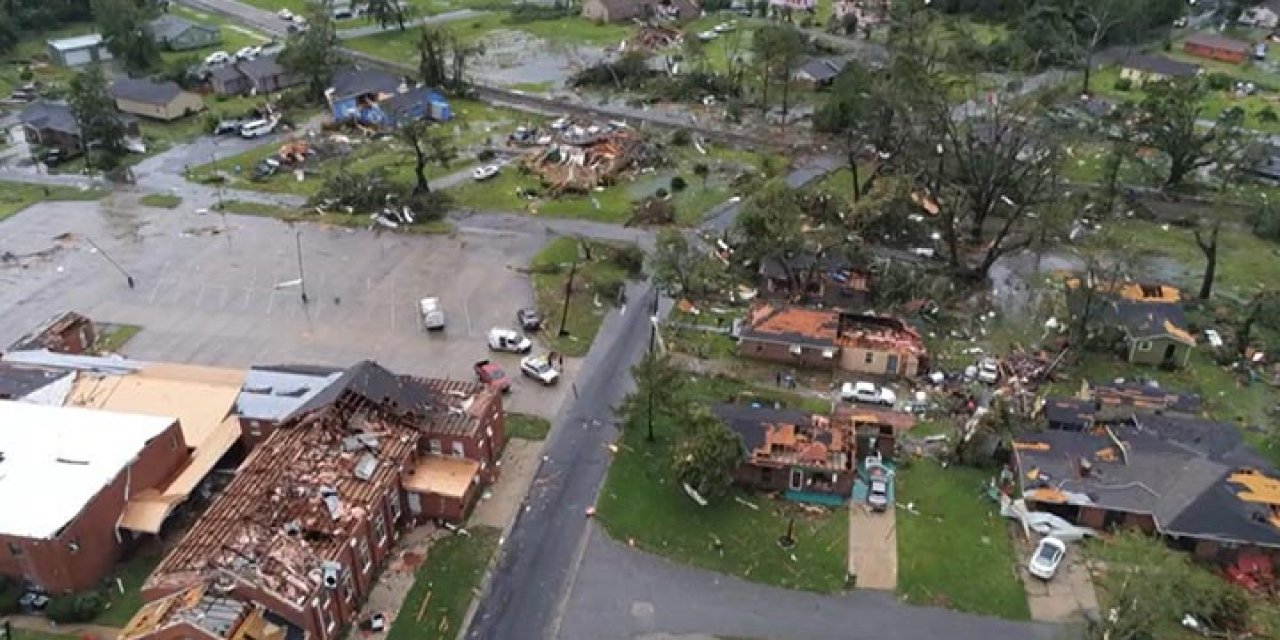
155 289
466 308
393 313
248 294
271 302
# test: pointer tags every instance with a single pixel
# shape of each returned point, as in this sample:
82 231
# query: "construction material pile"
581 160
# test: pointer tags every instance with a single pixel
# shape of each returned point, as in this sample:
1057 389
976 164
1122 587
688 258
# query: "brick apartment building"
67 475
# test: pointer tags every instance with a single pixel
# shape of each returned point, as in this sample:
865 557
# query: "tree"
127 34
1209 246
429 146
702 171
1091 23
707 456
770 223
1169 120
442 58
659 393
313 54
1264 307
95 114
8 33
387 12
680 269
1120 152
779 49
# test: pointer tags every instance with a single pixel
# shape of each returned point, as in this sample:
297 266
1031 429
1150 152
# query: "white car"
509 340
1046 558
707 36
246 53
257 128
480 174
869 393
285 14
217 58
432 313
988 371
724 27
539 368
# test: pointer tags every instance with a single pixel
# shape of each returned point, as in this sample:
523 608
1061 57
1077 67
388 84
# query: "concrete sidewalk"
873 548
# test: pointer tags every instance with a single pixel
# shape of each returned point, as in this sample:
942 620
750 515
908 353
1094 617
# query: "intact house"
67 332
1192 481
375 98
79 50
1215 47
628 10
67 477
259 75
1148 319
804 456
176 33
829 339
819 71
1141 68
51 124
163 101
1264 15
823 281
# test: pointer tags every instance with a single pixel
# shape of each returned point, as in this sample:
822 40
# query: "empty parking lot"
208 296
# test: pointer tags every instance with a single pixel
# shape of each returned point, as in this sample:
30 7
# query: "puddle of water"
516 57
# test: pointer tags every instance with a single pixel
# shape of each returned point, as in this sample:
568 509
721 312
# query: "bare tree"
1209 246
429 147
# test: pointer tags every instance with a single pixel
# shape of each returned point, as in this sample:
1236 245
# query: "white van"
256 128
432 314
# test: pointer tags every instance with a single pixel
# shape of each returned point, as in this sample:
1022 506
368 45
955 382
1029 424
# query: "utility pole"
568 293
653 336
128 278
302 279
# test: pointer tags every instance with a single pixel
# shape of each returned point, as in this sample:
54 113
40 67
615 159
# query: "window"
828 353
1144 345
379 527
434 445
393 505
362 552
348 587
488 431
173 442
796 350
869 357
15 549
326 616
458 449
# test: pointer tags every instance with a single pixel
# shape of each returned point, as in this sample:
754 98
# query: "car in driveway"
869 393
285 14
539 368
431 312
529 319
988 370
508 340
1047 557
217 59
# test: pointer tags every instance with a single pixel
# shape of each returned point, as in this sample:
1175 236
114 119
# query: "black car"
529 319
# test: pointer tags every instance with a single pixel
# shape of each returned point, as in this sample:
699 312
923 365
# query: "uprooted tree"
706 456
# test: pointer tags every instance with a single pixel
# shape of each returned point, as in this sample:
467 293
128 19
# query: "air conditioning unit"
330 572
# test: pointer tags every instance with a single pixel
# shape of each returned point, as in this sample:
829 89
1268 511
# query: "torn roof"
792 325
209 607
1142 320
54 460
19 380
865 414
749 421
294 502
880 333
1070 411
1142 396
46 334
787 436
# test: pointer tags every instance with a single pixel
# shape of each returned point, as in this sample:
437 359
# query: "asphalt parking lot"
205 296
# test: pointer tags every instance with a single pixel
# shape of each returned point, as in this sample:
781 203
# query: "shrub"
10 591
681 138
80 607
661 193
486 155
1218 81
678 184
1267 114
631 259
1124 84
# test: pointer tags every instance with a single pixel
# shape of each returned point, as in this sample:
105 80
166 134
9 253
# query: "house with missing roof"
376 98
66 332
1141 68
804 456
164 101
830 339
1193 481
67 478
1146 319
1100 403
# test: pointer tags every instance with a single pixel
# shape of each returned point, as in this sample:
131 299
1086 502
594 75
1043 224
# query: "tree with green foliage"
703 172
442 59
1264 309
313 54
1121 151
681 269
43 15
387 12
659 393
8 33
770 223
95 112
779 49
126 31
1169 120
429 145
707 455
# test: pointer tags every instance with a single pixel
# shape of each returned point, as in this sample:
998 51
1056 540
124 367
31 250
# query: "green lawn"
112 337
132 573
1103 83
593 293
16 196
234 36
161 200
641 504
447 582
525 426
32 51
957 552
357 221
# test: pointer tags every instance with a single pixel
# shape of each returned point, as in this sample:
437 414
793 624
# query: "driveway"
622 594
873 547
1068 597
207 297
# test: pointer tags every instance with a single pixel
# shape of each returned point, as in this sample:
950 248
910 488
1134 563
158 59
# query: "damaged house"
1192 481
824 281
1148 319
375 98
67 332
880 345
806 457
829 339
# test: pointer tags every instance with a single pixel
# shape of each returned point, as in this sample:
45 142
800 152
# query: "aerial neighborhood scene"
639 319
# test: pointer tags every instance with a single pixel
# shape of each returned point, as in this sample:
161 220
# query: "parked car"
1046 558
529 319
256 128
285 14
480 174
248 53
432 313
508 340
877 485
491 374
988 370
539 368
868 392
226 127
217 58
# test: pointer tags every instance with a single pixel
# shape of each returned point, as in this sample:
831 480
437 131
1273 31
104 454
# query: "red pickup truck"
491 373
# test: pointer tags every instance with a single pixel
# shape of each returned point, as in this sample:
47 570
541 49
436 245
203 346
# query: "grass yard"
641 504
16 196
161 200
111 337
444 586
596 283
956 553
1103 82
32 51
355 221
234 36
132 573
526 427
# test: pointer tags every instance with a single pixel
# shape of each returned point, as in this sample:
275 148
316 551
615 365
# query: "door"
1169 352
891 364
415 502
797 479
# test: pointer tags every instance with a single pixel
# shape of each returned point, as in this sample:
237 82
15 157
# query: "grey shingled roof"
261 67
748 421
169 26
47 114
1159 64
145 91
354 81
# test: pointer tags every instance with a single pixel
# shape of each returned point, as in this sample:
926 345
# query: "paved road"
621 593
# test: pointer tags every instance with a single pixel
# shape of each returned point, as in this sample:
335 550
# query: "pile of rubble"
656 37
579 159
